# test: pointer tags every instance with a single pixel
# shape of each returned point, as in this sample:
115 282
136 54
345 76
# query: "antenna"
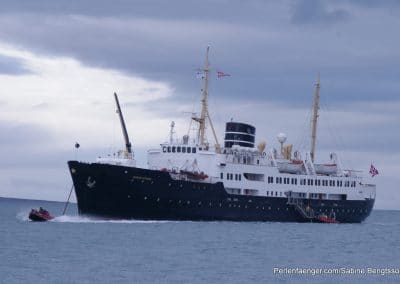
171 132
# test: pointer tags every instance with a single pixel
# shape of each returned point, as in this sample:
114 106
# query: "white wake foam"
23 215
81 219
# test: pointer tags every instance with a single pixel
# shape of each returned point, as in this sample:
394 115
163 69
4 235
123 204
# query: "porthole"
199 202
269 207
158 199
145 198
188 202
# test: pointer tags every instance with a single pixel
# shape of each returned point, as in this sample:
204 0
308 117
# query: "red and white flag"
222 74
373 171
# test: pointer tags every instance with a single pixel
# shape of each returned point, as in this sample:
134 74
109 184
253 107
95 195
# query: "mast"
128 146
204 109
315 119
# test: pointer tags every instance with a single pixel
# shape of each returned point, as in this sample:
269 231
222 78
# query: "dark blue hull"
133 193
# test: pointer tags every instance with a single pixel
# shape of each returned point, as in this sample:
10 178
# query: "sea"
78 249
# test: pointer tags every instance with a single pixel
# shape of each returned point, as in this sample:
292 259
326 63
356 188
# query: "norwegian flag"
373 171
222 74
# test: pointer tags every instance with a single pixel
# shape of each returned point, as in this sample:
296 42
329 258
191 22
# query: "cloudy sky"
61 61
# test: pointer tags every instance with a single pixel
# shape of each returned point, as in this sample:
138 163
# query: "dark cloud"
12 66
269 57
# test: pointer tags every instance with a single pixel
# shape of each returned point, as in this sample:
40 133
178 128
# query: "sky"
61 62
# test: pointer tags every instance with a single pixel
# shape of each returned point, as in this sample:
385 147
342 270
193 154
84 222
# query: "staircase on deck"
305 211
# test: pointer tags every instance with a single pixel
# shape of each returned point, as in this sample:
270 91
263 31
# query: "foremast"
315 119
204 110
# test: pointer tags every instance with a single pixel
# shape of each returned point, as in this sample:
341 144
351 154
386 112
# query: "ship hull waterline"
118 192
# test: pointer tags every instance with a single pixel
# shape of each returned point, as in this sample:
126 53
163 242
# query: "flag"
373 171
222 74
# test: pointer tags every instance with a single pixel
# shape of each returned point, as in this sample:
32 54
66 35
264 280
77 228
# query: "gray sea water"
74 249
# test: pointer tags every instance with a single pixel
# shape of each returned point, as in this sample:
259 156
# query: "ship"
193 179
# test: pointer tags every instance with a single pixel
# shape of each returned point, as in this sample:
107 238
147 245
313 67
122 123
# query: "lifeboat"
40 215
326 219
291 166
325 169
194 175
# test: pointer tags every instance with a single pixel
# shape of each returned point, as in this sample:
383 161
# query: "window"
164 149
267 193
193 150
270 180
178 149
183 149
222 175
173 149
276 193
253 176
236 177
346 184
189 150
240 177
169 149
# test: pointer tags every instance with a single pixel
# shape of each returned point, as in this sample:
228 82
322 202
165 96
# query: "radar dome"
282 138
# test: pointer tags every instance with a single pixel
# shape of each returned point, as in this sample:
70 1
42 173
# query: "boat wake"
81 219
23 215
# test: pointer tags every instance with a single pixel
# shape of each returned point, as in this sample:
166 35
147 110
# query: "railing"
305 212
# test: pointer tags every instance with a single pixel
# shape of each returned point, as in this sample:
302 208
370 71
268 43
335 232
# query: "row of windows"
317 182
303 181
272 193
230 176
179 149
